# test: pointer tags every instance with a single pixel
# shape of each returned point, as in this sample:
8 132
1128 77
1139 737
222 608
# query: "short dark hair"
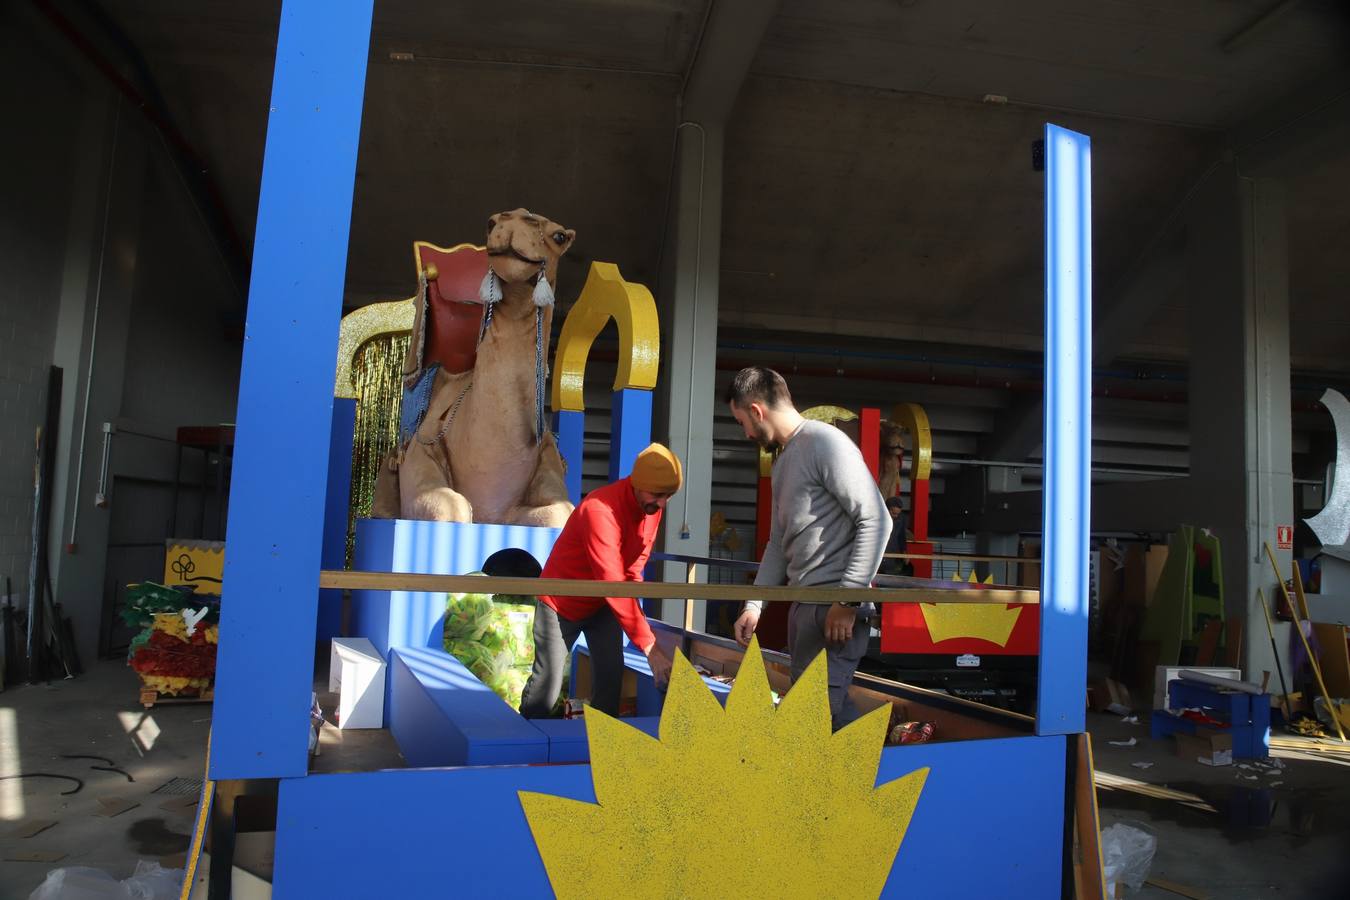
757 384
512 563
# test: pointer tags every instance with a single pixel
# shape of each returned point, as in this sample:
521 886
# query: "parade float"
689 797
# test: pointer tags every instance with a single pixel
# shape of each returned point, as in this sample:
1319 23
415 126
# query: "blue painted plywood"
336 512
408 833
441 715
571 429
416 618
630 429
277 495
1061 696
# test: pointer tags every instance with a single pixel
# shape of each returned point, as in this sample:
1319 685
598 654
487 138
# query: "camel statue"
479 450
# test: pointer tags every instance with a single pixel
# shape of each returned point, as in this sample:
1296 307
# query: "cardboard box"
1208 746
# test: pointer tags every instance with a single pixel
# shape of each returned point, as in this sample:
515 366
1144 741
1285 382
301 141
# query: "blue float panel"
423 833
1061 697
265 666
441 715
413 618
571 429
630 429
336 514
567 741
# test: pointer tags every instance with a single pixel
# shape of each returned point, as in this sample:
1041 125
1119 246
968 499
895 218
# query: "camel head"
521 245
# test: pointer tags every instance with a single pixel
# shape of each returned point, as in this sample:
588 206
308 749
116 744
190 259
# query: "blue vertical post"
1062 681
571 429
336 514
265 666
630 429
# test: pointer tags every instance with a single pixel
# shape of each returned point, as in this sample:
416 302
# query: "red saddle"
454 312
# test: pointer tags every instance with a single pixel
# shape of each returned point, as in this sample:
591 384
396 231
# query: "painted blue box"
416 619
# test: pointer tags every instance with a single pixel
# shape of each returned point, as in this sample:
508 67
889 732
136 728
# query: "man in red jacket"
607 538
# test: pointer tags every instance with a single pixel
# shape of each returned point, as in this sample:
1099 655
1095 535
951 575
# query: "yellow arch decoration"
607 296
823 413
369 322
913 418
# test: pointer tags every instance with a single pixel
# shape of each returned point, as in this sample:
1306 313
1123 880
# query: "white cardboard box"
1164 675
356 674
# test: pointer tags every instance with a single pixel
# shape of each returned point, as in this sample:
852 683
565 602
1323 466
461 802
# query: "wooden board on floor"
1089 876
151 697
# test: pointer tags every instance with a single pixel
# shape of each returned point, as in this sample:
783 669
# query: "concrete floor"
98 713
1217 832
1231 837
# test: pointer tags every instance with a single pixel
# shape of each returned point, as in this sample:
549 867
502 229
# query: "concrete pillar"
1241 467
689 320
724 51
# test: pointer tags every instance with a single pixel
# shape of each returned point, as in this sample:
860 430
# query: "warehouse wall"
106 271
37 183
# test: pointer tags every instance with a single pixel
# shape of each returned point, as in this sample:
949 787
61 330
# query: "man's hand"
745 625
660 666
839 623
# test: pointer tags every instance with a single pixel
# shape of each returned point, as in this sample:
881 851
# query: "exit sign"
1284 537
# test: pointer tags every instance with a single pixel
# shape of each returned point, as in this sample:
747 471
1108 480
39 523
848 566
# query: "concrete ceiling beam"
726 48
1310 125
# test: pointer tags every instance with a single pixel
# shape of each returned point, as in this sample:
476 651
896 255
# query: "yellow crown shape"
988 622
696 813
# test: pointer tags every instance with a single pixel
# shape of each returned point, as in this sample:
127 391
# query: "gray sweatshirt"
829 524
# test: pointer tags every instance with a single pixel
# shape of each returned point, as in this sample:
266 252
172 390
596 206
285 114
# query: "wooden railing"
661 590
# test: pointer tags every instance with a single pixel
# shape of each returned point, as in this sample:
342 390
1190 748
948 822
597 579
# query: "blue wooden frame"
1061 695
275 531
391 830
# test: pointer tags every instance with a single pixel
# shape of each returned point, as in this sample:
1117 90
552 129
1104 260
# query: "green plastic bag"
494 639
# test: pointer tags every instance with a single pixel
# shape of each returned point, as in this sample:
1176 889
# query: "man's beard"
761 437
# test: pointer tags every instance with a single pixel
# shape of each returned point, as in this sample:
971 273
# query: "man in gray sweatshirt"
829 528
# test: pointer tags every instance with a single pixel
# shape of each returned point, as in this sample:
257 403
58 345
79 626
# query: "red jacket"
607 538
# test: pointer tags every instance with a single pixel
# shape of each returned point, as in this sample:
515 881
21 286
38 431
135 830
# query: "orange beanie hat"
657 470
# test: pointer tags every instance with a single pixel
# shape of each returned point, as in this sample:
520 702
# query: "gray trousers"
806 639
553 640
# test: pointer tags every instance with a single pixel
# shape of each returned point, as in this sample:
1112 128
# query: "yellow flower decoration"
746 801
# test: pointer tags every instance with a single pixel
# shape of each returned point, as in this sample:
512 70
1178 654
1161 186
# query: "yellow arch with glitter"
606 296
913 418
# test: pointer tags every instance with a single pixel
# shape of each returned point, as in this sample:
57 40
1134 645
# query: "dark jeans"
553 640
806 638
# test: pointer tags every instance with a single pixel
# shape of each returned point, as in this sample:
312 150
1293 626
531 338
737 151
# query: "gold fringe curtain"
377 373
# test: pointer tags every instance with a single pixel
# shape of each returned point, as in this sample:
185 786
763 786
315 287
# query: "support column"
1241 465
723 54
691 322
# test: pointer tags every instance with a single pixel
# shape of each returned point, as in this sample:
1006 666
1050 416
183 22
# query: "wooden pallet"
151 697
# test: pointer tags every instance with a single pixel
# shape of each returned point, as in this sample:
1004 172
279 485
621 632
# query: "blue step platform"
1247 716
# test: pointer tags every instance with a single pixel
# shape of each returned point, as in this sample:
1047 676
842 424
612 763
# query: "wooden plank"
691 577
1298 629
1209 643
1232 644
1335 659
1177 888
660 590
1087 824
